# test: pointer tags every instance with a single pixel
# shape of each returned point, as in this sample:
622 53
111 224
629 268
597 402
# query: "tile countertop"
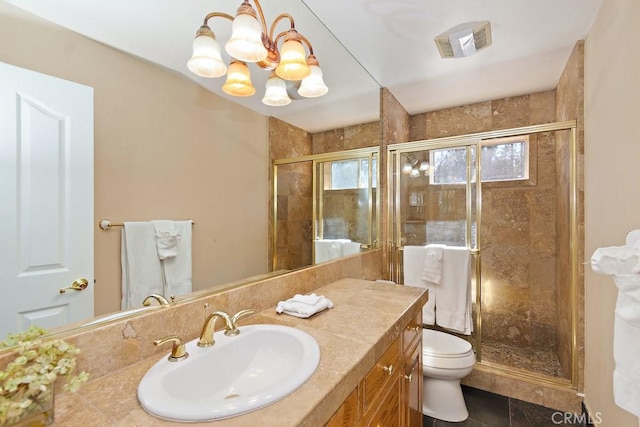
365 319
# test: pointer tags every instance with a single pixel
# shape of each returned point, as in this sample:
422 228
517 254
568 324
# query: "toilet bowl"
446 359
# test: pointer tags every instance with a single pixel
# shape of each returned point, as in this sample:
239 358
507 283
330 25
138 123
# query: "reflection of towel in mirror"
350 248
141 270
166 238
178 269
304 305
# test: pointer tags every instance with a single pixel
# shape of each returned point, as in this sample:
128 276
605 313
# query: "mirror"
165 148
326 207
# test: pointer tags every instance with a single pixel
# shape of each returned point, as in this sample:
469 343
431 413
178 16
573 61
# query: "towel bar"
106 224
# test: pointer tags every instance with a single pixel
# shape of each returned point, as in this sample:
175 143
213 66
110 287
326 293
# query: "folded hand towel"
616 260
178 269
304 306
432 269
166 238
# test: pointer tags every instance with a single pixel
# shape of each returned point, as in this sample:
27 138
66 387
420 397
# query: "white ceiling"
362 45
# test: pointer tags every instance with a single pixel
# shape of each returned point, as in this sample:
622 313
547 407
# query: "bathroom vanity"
369 371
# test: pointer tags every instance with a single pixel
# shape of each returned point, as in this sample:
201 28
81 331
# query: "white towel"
619 261
141 270
178 269
616 260
327 249
412 264
453 295
626 348
166 238
350 248
304 306
432 269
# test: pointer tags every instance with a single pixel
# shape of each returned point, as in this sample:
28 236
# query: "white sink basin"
237 375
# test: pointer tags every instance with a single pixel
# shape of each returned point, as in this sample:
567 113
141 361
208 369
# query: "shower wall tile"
536 108
348 138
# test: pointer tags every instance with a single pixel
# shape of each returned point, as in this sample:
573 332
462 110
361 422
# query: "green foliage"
33 372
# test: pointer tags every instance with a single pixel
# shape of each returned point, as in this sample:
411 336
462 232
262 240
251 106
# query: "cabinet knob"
414 328
409 377
388 369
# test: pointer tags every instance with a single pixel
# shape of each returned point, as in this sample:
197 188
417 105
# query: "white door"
46 200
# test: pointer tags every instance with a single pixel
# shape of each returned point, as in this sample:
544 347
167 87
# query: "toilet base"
443 400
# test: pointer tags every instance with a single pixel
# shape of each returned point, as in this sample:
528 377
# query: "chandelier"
250 42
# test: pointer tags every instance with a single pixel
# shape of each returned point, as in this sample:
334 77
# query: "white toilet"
446 359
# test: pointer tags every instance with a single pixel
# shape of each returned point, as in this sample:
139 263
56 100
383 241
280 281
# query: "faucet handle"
178 351
234 322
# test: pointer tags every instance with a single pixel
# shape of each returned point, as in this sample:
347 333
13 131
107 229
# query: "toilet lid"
443 344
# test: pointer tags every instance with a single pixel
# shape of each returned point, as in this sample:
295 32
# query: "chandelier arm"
307 42
262 20
220 14
275 22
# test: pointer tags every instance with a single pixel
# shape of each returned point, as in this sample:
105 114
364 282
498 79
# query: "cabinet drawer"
412 332
388 367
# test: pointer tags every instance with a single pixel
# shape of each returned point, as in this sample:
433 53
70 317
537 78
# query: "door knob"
77 285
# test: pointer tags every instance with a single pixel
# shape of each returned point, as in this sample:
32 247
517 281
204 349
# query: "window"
504 159
350 174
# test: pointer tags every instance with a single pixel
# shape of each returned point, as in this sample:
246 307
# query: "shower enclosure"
510 197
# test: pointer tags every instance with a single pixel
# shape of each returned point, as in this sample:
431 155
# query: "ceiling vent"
464 39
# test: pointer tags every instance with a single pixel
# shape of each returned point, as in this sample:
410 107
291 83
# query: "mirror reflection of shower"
344 200
325 207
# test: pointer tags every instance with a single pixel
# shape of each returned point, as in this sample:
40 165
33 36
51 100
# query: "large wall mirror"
167 148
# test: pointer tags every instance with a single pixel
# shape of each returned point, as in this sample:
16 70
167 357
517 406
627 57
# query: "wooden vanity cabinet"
390 395
412 375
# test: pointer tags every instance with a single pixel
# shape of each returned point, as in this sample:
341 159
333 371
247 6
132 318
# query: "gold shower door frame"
319 160
394 235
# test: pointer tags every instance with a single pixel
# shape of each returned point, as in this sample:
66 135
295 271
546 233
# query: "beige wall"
164 148
612 206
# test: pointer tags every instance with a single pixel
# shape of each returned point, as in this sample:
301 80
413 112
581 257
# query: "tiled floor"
492 410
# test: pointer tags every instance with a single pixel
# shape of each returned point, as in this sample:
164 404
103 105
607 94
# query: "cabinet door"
388 411
412 392
348 415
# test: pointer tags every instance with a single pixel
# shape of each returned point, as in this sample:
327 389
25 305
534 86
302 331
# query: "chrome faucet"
178 351
161 300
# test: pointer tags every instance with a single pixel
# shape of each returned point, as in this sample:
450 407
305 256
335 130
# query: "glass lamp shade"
238 80
245 43
276 92
293 62
206 60
313 86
